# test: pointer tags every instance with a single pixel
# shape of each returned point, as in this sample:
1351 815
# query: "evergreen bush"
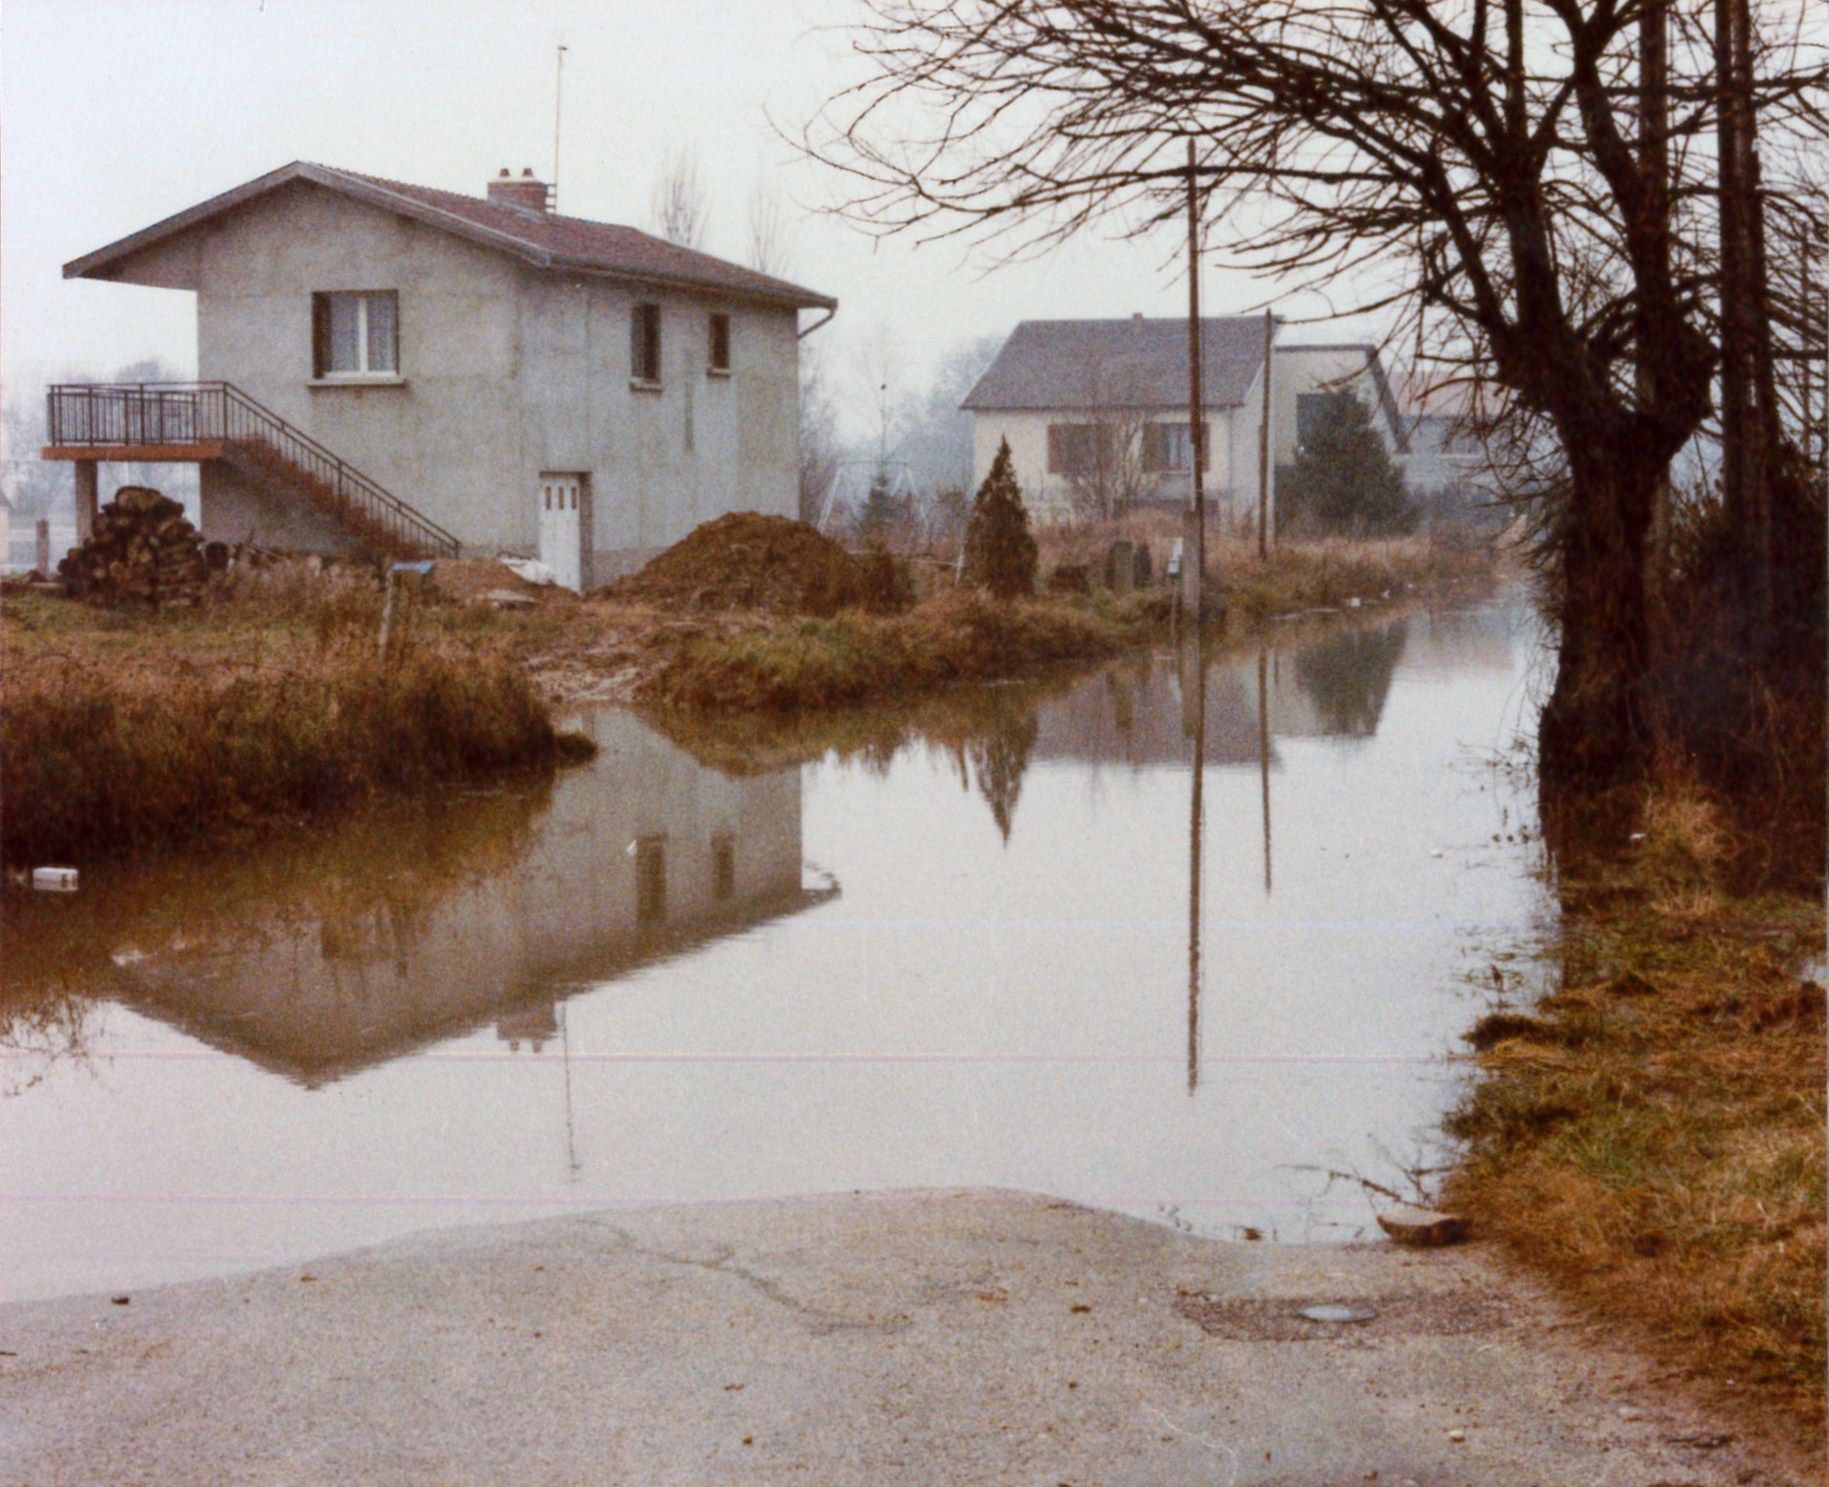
1343 479
999 548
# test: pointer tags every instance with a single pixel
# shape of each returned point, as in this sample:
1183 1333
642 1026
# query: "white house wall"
1233 439
1301 370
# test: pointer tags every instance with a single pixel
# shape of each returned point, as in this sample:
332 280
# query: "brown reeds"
1652 1134
122 735
854 657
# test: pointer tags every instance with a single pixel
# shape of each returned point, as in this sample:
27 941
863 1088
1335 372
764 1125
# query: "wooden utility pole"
1806 313
1654 155
1264 446
1196 423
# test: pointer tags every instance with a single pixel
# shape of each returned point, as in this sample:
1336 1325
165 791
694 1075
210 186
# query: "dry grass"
1653 1136
123 733
1322 573
854 657
733 663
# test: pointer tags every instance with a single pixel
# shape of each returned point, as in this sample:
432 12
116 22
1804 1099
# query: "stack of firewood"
142 551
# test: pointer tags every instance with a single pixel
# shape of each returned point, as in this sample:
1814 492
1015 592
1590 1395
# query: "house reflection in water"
1142 712
640 855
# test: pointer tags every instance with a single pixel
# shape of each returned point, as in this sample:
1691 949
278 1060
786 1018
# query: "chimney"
526 194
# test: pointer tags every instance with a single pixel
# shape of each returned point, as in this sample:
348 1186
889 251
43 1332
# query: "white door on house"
562 528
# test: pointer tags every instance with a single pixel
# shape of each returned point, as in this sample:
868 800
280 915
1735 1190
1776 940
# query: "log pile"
142 551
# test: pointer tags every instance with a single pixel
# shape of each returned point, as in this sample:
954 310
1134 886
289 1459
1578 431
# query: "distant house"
1307 375
1096 412
417 372
1444 451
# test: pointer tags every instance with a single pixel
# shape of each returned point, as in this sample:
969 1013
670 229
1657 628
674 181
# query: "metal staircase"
217 420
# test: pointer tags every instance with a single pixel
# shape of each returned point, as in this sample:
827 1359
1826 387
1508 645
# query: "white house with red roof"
416 373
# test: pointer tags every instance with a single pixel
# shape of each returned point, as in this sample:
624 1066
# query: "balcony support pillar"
88 485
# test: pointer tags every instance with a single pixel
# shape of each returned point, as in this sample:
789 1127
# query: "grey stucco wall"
661 460
236 509
506 371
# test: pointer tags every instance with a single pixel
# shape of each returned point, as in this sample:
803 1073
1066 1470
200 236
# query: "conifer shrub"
1343 480
999 548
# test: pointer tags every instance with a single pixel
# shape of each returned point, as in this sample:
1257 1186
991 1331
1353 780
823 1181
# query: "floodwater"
1010 937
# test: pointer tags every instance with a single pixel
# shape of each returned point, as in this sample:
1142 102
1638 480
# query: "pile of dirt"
747 561
474 580
142 551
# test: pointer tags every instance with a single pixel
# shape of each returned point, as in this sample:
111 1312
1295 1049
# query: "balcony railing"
173 414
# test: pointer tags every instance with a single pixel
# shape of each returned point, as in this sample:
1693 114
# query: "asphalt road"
952 1338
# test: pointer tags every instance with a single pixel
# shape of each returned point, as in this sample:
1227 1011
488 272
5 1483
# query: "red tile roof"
545 240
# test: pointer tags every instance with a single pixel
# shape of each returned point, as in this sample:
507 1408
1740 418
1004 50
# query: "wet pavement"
934 1338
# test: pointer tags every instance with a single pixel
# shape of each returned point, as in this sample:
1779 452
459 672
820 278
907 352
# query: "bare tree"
1114 469
771 234
936 433
1475 159
819 448
680 211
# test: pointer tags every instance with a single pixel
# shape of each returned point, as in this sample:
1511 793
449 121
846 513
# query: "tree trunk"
1594 738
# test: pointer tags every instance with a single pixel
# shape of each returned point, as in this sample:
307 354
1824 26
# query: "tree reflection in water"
1000 758
1347 677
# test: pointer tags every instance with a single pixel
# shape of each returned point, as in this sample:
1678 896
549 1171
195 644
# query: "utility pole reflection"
1263 751
1196 822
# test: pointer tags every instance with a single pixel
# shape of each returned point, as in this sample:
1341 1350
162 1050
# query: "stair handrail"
239 418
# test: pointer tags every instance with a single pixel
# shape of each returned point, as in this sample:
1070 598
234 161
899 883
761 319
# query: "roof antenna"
558 108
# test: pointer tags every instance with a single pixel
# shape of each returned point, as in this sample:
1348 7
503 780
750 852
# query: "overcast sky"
116 113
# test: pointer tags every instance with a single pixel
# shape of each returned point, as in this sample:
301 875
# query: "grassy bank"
1652 1134
779 665
854 657
126 732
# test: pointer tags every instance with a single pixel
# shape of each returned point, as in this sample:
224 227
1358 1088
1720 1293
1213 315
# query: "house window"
1168 448
644 344
720 344
355 334
1075 448
1311 413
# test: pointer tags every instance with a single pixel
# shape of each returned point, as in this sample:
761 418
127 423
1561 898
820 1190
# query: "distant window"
355 334
720 343
1073 448
1167 448
644 344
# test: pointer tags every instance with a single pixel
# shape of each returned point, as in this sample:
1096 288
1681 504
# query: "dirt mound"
746 561
471 580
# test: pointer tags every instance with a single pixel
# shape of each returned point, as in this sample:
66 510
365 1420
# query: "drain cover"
1332 1313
